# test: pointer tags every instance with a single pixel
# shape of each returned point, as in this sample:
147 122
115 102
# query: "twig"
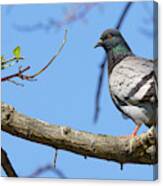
103 64
52 59
31 77
124 13
9 62
45 168
6 164
12 59
55 157
16 83
18 74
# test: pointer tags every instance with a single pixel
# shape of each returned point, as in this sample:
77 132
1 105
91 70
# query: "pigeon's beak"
99 43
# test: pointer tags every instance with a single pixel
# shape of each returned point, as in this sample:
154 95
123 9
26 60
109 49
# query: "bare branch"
6 164
3 62
104 61
18 74
31 77
73 14
52 59
124 13
46 168
100 146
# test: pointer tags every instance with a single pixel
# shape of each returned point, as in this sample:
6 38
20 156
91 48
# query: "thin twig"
31 77
6 164
46 168
10 60
55 157
103 64
16 83
52 59
124 13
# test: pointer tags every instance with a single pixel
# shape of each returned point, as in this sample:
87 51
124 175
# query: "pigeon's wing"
133 88
146 89
134 80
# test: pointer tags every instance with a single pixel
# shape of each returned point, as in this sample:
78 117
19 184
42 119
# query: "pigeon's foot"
134 138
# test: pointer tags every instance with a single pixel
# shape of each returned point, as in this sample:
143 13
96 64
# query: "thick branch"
80 142
6 164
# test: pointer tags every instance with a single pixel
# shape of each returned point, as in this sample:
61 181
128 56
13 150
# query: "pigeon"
132 80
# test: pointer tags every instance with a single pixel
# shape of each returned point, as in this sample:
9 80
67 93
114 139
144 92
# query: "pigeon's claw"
134 138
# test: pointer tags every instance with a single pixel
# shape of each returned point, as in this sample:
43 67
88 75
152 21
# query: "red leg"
134 135
135 130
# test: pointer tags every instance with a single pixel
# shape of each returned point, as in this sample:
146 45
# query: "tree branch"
52 59
124 13
31 77
6 164
84 143
46 168
18 74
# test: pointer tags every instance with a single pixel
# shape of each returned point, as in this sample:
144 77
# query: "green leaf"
16 52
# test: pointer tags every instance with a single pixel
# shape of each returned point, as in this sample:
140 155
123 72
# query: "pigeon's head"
109 39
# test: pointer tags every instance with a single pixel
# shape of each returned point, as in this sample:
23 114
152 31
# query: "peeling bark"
107 147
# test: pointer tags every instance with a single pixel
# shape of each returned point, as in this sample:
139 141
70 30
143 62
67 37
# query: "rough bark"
114 148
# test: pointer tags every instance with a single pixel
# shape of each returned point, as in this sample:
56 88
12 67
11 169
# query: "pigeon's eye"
110 36
107 36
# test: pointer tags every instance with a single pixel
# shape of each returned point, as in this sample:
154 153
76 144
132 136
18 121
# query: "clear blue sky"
65 93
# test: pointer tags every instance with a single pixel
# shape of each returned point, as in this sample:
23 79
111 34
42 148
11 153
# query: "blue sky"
65 93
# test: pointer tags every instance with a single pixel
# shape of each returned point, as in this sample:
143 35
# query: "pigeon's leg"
136 130
134 136
134 133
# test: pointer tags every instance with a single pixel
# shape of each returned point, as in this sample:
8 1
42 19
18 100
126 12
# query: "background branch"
71 15
46 168
80 142
6 164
